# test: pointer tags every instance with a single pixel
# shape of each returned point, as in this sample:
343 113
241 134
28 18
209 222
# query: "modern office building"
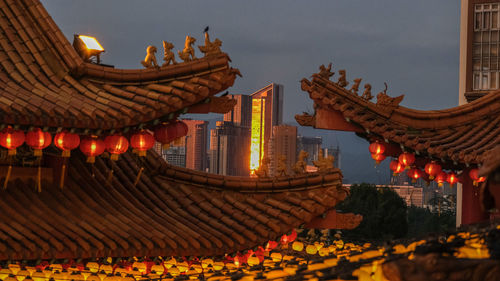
311 145
267 111
175 154
479 48
196 144
283 145
241 115
230 149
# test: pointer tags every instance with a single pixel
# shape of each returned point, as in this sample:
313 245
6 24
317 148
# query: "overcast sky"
411 45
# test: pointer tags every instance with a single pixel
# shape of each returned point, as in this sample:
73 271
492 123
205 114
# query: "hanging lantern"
253 260
164 134
414 174
406 159
181 129
38 140
311 249
432 169
11 139
92 146
142 141
441 178
378 158
474 175
452 178
298 246
116 144
66 142
376 148
396 167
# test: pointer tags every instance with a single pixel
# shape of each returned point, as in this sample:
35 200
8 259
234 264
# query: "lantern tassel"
138 176
110 176
7 177
63 171
39 179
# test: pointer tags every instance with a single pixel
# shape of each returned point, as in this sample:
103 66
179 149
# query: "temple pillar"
471 206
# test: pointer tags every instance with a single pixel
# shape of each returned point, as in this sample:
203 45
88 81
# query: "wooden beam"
334 120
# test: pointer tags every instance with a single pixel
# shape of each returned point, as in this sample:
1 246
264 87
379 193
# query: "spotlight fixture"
87 47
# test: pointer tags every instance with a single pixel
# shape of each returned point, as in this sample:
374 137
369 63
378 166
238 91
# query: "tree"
383 210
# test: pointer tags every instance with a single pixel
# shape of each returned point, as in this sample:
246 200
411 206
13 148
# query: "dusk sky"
411 45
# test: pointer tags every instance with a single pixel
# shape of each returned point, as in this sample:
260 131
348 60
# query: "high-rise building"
230 149
479 48
335 152
283 147
175 154
311 145
267 111
196 144
241 114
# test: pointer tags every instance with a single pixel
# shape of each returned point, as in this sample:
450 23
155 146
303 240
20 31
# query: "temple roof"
172 211
459 135
45 83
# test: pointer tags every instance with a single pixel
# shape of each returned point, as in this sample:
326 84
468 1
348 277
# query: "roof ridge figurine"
210 48
168 55
150 60
187 53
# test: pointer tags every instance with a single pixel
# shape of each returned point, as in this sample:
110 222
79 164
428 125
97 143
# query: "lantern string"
9 171
39 175
138 176
63 172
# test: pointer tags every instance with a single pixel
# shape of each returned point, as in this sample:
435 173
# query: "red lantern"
376 148
396 167
378 158
452 178
414 174
116 144
432 169
474 175
406 159
142 141
164 133
441 178
92 146
66 141
181 129
38 140
11 139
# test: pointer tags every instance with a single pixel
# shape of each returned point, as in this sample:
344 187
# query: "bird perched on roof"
205 30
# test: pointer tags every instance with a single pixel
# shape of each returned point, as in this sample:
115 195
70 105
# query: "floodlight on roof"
87 47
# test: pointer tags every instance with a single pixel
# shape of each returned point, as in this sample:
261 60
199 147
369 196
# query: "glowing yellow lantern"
153 275
276 257
323 252
11 277
93 266
339 244
253 260
14 268
298 246
22 274
218 265
158 268
58 276
182 266
206 262
107 268
197 267
4 273
174 271
140 266
136 273
38 275
311 249
48 271
102 274
171 262
120 270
